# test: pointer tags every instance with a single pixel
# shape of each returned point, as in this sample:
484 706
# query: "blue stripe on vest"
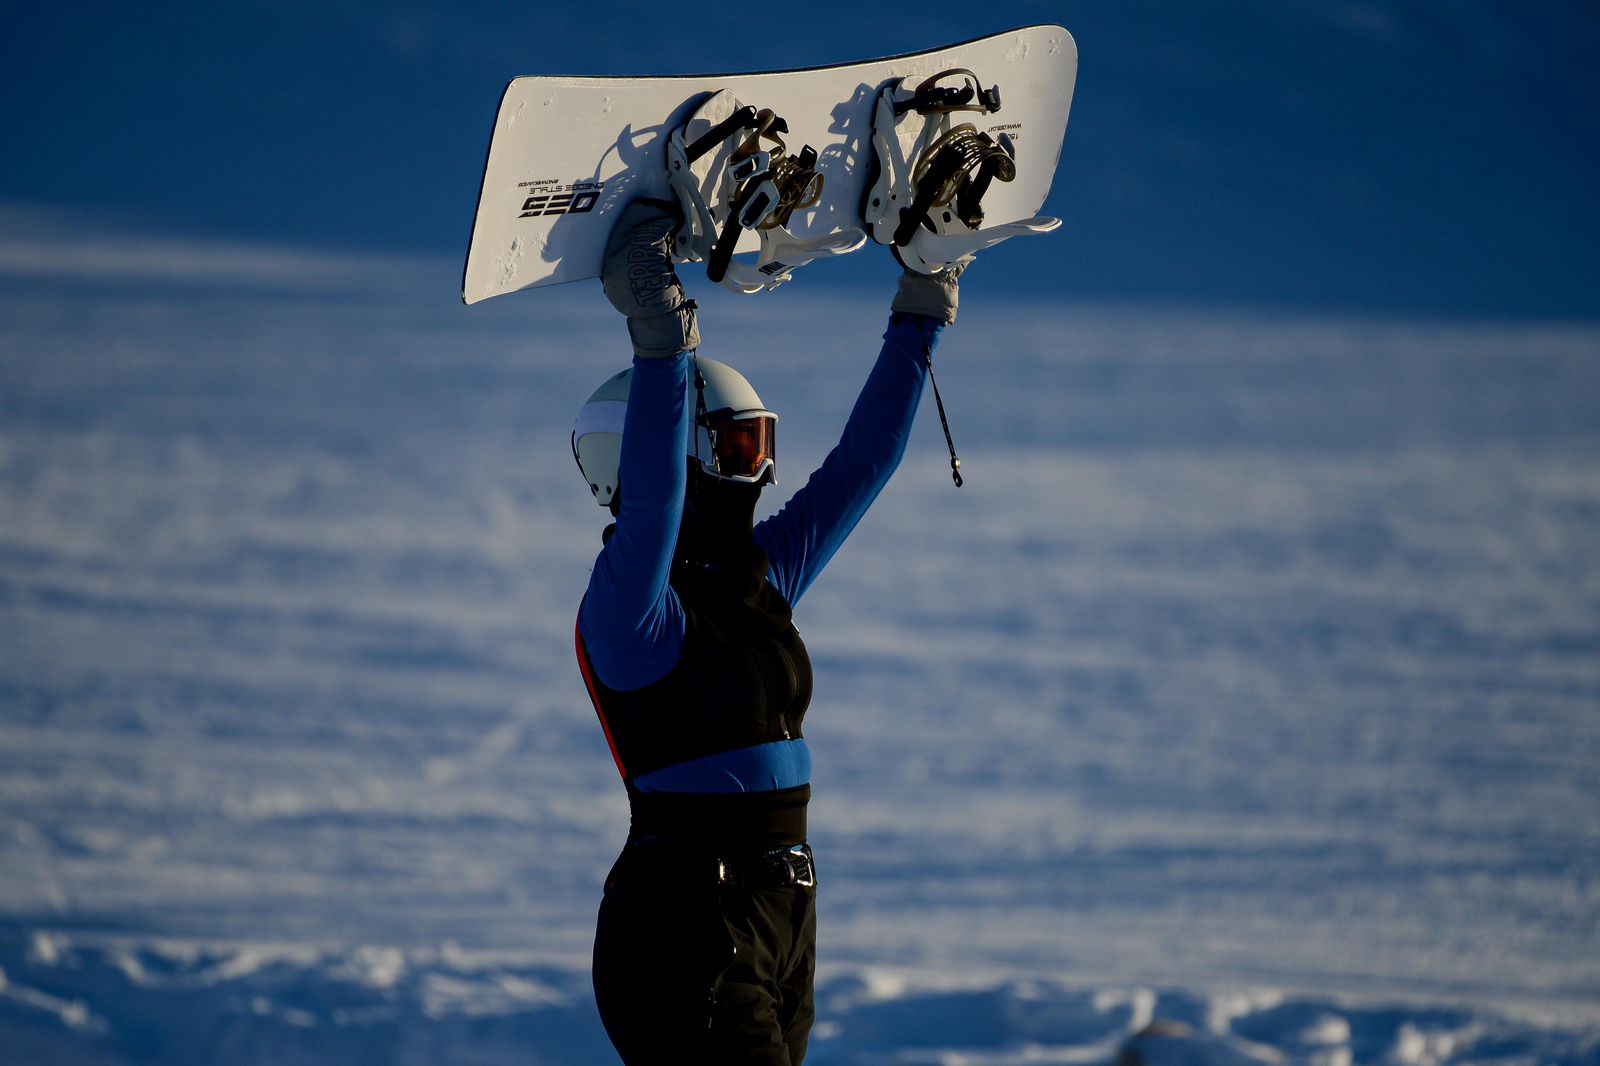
762 768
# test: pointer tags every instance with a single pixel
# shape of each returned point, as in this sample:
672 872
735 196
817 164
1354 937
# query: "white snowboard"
568 153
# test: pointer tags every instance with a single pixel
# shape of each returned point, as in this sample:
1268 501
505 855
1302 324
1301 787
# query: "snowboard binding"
925 199
732 172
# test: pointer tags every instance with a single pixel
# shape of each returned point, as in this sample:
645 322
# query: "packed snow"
1241 708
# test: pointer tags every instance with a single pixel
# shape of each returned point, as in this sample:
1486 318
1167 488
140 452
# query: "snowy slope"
1249 686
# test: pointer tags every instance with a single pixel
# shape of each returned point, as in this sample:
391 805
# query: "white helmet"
734 434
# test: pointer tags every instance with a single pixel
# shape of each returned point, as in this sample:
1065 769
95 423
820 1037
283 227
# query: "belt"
770 869
734 823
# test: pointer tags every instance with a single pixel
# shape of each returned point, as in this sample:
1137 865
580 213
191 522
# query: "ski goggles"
743 445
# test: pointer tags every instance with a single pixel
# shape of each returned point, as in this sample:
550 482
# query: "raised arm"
801 538
631 621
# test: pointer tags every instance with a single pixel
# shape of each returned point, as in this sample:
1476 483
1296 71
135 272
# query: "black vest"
744 677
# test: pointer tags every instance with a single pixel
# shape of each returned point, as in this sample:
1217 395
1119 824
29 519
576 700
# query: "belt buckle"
793 865
801 870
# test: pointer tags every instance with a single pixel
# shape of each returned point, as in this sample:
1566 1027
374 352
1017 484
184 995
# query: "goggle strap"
700 417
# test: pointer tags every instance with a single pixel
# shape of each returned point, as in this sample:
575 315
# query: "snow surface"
1241 708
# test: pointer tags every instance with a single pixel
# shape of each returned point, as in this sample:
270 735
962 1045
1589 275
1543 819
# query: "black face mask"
718 516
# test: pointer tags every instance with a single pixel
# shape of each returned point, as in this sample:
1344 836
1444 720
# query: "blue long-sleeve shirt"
632 622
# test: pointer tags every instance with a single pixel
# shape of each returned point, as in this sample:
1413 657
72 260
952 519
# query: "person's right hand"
641 281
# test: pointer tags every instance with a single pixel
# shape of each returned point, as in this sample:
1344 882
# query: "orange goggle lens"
744 446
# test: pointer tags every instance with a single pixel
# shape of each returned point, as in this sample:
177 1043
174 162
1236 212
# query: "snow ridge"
174 1003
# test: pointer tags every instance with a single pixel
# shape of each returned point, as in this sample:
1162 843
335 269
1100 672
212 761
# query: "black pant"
686 970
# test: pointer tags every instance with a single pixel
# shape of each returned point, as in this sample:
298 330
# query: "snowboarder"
705 946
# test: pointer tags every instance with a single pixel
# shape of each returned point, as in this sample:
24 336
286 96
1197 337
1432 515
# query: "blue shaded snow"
178 1004
1241 705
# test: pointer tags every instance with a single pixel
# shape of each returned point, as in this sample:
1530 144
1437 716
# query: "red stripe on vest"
594 698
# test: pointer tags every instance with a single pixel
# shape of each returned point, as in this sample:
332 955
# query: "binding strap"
771 185
742 119
931 98
959 167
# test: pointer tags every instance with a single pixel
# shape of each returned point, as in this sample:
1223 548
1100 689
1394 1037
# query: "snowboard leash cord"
944 423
